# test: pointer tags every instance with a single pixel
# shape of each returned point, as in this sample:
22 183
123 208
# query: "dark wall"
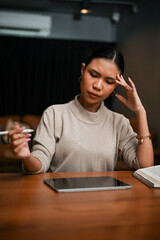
140 45
36 73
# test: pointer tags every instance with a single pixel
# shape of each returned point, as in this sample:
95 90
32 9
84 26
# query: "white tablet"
85 184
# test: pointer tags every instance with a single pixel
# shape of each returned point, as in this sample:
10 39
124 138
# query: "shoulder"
120 123
117 120
116 116
56 109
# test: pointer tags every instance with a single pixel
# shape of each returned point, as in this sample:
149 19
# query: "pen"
24 131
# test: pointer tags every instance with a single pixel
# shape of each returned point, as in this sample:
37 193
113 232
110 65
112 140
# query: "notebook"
85 184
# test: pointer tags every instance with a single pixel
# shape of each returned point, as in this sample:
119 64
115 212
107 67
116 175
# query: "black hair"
107 53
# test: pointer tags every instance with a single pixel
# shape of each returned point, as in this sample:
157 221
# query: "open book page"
152 173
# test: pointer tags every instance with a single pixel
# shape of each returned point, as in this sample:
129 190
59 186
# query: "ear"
82 68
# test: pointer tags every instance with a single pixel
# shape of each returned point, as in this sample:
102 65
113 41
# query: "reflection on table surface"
31 209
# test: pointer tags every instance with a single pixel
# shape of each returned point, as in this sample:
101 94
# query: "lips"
93 95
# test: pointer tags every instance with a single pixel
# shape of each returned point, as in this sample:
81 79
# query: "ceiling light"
116 17
85 7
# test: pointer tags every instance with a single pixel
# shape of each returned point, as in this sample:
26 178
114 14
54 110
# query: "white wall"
139 40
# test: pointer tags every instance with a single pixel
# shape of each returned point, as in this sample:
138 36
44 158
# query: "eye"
109 82
93 75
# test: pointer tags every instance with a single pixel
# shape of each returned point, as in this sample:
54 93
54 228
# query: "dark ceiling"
101 8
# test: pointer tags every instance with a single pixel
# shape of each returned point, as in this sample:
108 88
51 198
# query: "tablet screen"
85 184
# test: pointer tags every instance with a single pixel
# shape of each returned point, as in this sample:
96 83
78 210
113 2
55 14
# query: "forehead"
104 66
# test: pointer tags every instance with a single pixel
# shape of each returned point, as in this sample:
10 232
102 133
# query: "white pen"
24 131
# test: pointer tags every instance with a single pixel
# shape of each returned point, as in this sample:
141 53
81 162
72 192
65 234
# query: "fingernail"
28 139
22 128
29 135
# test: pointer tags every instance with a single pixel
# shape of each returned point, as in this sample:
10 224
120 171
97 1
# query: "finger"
15 136
18 148
12 132
23 135
132 84
16 126
15 131
121 81
19 142
122 99
119 77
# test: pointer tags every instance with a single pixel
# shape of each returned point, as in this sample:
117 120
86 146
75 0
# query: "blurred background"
44 42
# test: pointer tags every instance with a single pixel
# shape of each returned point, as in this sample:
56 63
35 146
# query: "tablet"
85 184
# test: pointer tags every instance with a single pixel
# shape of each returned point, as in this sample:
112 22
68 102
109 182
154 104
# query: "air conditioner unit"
24 24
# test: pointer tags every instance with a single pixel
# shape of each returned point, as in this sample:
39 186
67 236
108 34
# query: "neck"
88 107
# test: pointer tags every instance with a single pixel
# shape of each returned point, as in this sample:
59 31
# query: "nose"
97 85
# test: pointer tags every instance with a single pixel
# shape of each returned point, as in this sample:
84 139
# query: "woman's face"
98 82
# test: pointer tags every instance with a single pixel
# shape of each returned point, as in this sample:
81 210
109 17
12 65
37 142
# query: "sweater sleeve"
44 141
128 145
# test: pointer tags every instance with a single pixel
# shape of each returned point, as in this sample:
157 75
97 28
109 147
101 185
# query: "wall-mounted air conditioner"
24 24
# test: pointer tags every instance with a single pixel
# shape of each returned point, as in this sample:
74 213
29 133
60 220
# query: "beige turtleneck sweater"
71 139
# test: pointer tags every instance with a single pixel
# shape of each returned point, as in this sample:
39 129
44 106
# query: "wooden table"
29 209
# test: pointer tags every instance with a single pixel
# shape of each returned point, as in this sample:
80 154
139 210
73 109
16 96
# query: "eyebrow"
108 78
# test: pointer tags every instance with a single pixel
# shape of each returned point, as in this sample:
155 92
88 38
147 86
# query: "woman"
83 135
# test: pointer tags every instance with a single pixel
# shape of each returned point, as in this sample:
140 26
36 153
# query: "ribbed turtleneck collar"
85 116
